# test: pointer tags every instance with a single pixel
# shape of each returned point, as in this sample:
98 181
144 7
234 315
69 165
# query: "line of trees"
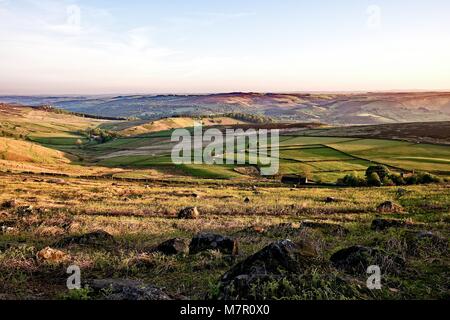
379 175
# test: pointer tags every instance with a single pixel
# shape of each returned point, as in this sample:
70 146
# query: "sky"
203 46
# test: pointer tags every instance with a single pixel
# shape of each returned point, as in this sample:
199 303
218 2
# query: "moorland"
100 192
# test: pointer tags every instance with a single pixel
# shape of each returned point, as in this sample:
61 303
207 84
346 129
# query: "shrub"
381 171
397 179
425 178
352 180
387 181
374 180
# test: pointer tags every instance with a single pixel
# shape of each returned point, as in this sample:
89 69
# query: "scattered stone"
51 255
247 200
421 243
356 259
96 238
57 181
23 211
195 195
124 289
272 262
9 204
380 224
189 213
9 230
209 241
332 228
389 207
173 247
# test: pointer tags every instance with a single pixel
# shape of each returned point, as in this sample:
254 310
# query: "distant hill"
144 126
416 132
22 121
354 108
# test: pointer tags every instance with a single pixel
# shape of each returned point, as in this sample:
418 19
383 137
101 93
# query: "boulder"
331 228
189 213
356 259
247 200
209 241
272 262
96 238
124 289
380 224
389 207
173 247
51 255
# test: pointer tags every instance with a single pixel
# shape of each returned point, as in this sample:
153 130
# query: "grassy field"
140 217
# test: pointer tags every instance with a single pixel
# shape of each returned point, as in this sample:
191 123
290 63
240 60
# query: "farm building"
294 179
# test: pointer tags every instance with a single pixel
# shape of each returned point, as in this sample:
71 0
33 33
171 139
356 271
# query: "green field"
325 159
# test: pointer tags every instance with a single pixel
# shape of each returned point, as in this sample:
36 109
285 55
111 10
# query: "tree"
352 180
380 170
374 180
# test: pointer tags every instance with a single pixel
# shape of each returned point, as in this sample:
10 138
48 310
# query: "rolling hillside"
23 151
349 108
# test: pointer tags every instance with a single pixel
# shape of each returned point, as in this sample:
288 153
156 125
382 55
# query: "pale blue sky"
50 46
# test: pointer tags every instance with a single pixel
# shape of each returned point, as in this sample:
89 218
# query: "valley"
103 194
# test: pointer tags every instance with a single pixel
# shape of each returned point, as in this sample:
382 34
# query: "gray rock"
189 213
389 207
384 224
272 262
96 238
356 259
209 241
173 247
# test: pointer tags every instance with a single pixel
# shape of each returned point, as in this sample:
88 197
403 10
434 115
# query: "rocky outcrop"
96 238
384 224
172 247
267 264
356 259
